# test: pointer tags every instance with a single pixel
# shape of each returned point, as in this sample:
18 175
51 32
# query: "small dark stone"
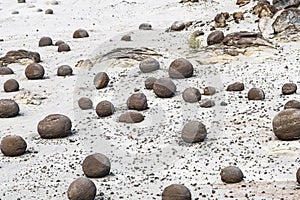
164 88
237 86
6 71
39 10
63 47
149 65
11 85
181 68
137 101
49 12
209 90
231 174
176 192
96 165
105 108
289 88
215 37
15 12
223 103
80 33
177 26
59 42
64 70
8 108
82 188
131 117
256 94
45 41
149 82
145 26
34 71
191 95
197 33
101 80
126 38
207 103
85 103
193 132
13 145
21 1
292 104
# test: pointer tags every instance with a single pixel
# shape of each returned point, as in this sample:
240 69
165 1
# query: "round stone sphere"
178 26
13 145
64 70
215 37
298 175
82 188
101 80
45 41
191 95
231 174
137 101
286 124
34 71
105 108
181 68
8 108
49 12
85 103
11 85
59 42
164 88
131 117
80 33
237 86
176 192
6 71
54 126
149 82
292 104
289 88
149 65
63 47
256 94
193 132
96 165
145 26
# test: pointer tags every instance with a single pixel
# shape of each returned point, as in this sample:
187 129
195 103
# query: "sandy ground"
148 156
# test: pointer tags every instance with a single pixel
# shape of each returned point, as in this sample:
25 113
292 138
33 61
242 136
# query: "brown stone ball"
131 117
149 82
6 71
85 103
137 101
289 88
178 26
164 88
145 26
209 90
176 192
11 85
215 37
149 65
292 104
64 70
80 33
256 94
82 189
34 71
191 95
101 80
45 41
181 68
8 108
96 165
59 42
193 132
232 174
49 12
63 47
105 108
237 86
13 145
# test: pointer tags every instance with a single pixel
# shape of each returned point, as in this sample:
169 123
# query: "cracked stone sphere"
96 165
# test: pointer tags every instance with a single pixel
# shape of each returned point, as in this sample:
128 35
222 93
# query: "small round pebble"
215 37
80 33
6 71
96 166
64 70
178 26
82 189
149 65
13 145
209 90
34 71
149 82
256 94
101 80
11 85
105 108
289 88
181 68
164 87
131 117
85 103
231 174
176 192
137 101
49 12
45 41
292 104
207 103
145 26
126 38
193 132
63 47
59 42
8 108
191 95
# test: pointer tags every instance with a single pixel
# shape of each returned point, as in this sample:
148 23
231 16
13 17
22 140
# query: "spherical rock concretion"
164 88
193 132
13 145
8 108
34 71
105 108
289 88
292 104
63 47
145 26
64 70
209 90
96 165
59 42
191 95
237 86
11 85
45 41
298 175
6 71
231 174
49 12
137 101
215 37
54 126
256 94
101 80
82 188
85 103
131 117
149 65
286 124
176 192
149 82
80 33
181 68
178 26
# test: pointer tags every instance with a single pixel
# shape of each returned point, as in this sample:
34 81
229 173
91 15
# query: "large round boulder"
13 145
137 101
34 71
105 108
149 65
96 165
101 80
176 192
181 68
164 87
191 95
193 132
82 189
8 108
231 174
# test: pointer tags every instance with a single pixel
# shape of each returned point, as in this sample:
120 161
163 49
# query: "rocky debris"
256 94
96 165
292 104
181 68
63 47
8 108
131 117
16 57
284 4
209 90
220 19
231 174
54 126
82 188
164 88
149 65
11 85
298 175
178 26
126 37
64 70
286 124
49 12
85 103
137 101
101 80
264 9
34 71
80 33
191 95
176 192
145 26
6 71
45 41
26 97
238 16
289 88
207 103
149 82
13 145
215 37
193 132
105 109
237 86
242 2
